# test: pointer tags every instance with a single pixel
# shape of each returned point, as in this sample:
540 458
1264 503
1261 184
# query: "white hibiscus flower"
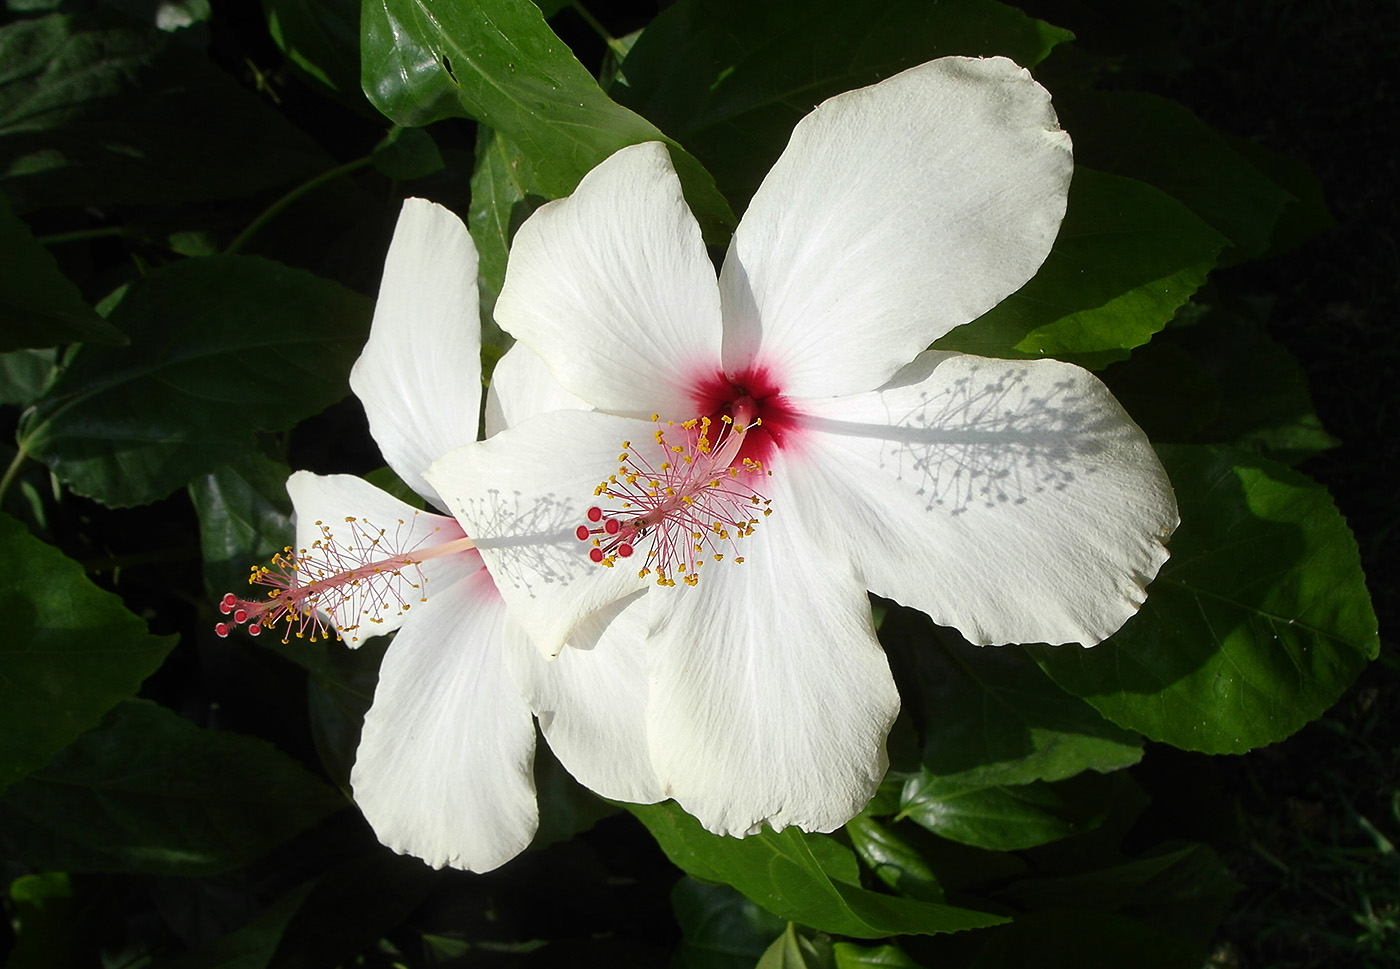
1013 500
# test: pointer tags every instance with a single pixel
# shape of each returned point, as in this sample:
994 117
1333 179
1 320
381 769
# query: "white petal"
443 770
342 522
770 696
521 387
522 494
897 212
591 702
613 288
1013 500
419 376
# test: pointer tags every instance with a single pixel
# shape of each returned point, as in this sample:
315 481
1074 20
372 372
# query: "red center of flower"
755 392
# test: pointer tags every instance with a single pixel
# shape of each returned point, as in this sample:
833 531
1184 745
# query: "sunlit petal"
522 495
443 769
1013 500
770 696
419 377
612 287
897 212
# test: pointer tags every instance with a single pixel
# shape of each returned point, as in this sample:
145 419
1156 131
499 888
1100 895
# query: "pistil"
690 504
365 577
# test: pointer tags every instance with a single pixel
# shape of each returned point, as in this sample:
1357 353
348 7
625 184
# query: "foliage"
194 209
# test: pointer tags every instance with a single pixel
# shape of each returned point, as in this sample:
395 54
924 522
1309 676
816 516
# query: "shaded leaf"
852 956
148 791
252 945
325 921
720 928
1007 817
1068 939
730 79
1160 142
321 37
893 860
221 347
53 927
93 114
39 306
1254 626
1222 380
25 375
990 716
497 61
566 806
245 517
1184 891
1307 214
407 153
1127 257
70 652
504 193
800 877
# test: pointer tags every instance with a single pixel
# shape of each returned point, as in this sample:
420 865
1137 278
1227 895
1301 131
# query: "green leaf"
245 517
39 306
720 928
339 691
1307 214
990 716
322 38
893 860
1127 257
329 920
150 792
1254 626
70 652
729 79
793 950
25 375
54 928
804 878
497 61
852 956
351 906
1160 142
220 347
1184 891
1006 817
96 115
407 153
1222 380
504 193
252 945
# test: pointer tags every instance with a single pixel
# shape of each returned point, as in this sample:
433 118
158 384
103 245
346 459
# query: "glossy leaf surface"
220 347
799 876
1254 626
148 791
497 61
70 652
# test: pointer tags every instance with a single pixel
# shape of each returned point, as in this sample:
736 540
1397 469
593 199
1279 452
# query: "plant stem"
276 208
80 235
613 43
12 472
